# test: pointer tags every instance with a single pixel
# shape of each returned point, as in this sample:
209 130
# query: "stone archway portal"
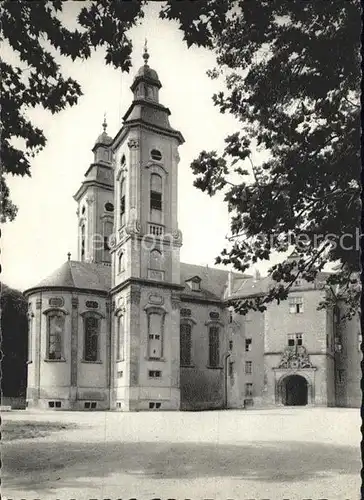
295 391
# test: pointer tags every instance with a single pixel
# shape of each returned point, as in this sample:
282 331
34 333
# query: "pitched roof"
74 274
214 282
251 286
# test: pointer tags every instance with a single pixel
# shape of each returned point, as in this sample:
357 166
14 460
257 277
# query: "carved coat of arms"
295 358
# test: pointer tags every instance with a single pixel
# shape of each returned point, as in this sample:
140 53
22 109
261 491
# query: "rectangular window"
120 374
122 209
231 369
295 339
248 389
248 345
83 242
106 243
248 367
230 345
55 334
120 338
155 335
92 325
185 344
155 200
154 374
341 376
214 347
295 305
151 405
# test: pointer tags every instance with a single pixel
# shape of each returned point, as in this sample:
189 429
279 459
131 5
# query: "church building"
129 327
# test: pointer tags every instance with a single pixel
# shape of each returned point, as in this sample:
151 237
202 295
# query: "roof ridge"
70 269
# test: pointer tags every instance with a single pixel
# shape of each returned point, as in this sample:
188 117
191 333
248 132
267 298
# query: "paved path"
295 454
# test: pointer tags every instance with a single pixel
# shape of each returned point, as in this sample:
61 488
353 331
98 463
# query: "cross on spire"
104 124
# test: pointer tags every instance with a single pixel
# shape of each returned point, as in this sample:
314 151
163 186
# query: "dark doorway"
295 391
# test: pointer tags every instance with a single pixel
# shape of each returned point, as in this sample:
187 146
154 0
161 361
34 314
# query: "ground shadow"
44 465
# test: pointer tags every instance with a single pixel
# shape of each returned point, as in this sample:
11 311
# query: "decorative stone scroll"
92 304
133 225
175 301
177 236
56 302
295 359
133 143
156 299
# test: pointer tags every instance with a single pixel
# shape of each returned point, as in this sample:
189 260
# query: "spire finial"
146 55
69 255
104 124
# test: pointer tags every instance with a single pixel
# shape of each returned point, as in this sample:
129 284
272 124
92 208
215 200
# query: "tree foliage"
14 342
37 36
292 74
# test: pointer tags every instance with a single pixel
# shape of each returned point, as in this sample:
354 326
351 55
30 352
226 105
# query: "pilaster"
38 348
74 347
133 306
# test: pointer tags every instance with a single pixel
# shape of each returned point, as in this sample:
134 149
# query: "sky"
45 229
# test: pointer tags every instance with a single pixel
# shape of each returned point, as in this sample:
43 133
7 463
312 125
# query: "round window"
109 207
156 155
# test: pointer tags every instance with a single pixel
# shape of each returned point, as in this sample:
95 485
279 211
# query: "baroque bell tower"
145 253
95 201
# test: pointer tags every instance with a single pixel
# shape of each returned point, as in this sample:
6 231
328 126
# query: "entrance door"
295 391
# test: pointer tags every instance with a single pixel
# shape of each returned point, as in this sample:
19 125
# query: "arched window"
214 346
108 227
55 334
155 260
156 199
83 242
185 344
121 266
120 338
91 337
156 264
122 203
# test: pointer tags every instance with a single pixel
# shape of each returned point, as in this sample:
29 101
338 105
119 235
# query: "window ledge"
116 361
214 367
188 366
91 362
155 359
47 360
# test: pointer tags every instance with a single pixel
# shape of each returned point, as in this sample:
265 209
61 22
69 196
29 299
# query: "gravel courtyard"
283 453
